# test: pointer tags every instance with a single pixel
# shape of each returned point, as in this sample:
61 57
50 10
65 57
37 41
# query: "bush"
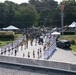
6 35
68 33
72 42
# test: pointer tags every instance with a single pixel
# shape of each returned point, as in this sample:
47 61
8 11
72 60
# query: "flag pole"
62 17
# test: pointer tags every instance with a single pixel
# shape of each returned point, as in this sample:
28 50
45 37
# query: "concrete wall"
39 63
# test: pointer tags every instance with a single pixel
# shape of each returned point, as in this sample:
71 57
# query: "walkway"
63 55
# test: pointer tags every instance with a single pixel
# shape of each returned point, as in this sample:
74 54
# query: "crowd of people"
13 46
39 37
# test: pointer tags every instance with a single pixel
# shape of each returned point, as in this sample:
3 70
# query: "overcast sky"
21 1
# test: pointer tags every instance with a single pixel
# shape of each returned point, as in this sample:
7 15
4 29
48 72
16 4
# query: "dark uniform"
28 54
33 54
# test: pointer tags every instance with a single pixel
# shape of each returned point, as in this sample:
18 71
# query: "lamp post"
62 16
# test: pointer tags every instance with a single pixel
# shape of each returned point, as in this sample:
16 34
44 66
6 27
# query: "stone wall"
39 63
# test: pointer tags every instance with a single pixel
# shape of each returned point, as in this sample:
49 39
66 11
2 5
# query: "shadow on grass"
68 49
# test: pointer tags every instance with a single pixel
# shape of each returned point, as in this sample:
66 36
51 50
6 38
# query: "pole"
62 17
62 21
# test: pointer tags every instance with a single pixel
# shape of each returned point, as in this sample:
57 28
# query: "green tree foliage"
8 12
2 8
28 16
69 11
45 8
32 1
23 15
36 12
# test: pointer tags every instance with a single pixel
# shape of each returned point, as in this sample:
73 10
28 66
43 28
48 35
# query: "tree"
69 12
2 7
28 16
9 12
32 1
46 9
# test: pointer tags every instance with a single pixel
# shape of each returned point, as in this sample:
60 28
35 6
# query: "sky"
21 1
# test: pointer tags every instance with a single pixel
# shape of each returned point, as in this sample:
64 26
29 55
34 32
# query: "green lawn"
73 47
69 37
5 42
17 35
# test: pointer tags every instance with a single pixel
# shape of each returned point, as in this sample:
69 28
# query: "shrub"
68 33
72 42
6 35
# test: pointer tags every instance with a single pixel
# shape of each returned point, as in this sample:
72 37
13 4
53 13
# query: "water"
6 69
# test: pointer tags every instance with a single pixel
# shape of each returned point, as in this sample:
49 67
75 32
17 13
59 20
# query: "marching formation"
40 46
12 47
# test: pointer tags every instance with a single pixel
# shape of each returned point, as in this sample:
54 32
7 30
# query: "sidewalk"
62 55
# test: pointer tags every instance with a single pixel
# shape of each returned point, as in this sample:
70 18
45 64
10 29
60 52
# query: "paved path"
63 55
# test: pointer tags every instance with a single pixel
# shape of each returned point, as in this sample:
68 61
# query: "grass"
69 37
73 47
17 35
6 42
3 43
